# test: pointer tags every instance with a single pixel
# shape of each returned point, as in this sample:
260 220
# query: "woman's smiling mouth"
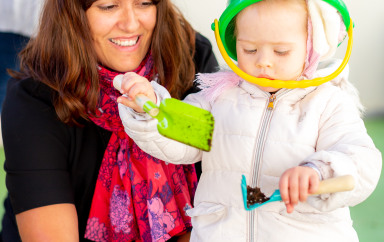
125 43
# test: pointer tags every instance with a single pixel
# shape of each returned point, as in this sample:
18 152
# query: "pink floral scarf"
137 197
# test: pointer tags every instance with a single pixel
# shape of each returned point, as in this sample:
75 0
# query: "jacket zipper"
259 148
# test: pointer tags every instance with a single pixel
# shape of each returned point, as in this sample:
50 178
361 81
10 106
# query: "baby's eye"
250 51
282 52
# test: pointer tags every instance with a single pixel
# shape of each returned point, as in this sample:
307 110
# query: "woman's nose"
128 19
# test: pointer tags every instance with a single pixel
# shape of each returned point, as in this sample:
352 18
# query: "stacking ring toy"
227 46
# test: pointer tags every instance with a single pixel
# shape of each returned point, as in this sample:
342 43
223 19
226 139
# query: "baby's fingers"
285 193
290 208
284 190
303 188
123 83
294 189
128 102
131 79
314 182
142 88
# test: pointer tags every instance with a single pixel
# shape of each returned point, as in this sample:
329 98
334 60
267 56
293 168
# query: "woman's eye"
144 3
107 7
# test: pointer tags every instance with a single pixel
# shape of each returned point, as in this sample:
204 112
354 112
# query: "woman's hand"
133 84
296 184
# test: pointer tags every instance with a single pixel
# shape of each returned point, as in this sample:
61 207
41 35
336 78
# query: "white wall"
367 60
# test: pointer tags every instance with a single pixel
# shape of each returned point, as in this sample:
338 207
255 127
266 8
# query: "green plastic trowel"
178 120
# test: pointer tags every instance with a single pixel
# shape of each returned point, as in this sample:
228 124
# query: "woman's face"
121 31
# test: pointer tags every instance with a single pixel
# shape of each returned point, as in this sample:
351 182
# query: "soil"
254 195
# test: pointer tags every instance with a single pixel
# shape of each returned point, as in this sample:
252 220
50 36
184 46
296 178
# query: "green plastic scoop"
178 120
337 184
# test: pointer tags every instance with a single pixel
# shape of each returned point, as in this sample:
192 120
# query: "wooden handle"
337 184
141 99
117 82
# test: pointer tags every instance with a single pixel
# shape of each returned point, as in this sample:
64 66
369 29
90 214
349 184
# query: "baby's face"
271 40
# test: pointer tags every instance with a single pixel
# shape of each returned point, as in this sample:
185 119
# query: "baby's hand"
131 85
295 185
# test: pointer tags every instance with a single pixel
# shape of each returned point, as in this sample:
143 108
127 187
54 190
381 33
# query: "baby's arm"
143 129
344 148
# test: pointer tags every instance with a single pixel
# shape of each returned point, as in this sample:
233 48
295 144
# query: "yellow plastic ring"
290 84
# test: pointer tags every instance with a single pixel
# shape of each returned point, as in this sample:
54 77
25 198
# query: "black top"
48 162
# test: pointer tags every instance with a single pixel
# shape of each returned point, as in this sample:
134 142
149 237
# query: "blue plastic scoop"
337 184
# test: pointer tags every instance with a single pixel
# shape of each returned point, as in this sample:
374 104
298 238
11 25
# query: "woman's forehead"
87 3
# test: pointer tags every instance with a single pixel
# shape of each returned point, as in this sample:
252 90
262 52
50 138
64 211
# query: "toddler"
287 139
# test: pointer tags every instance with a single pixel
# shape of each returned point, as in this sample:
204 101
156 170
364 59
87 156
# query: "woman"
62 135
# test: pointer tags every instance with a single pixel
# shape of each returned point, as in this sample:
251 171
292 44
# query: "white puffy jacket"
321 125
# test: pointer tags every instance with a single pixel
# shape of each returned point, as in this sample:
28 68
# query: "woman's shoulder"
28 104
202 42
28 89
205 59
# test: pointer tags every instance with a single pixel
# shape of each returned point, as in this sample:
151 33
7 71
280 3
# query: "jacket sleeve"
143 130
344 147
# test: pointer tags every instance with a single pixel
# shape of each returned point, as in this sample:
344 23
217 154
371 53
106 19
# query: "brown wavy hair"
62 56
